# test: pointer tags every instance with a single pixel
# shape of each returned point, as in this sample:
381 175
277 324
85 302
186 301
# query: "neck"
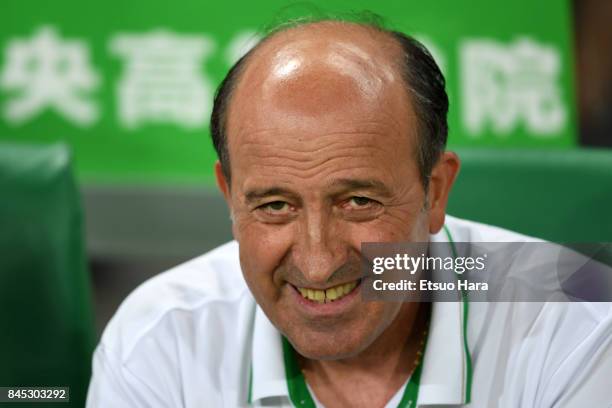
384 365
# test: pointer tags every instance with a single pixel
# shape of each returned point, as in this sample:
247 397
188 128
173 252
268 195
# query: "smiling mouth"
328 295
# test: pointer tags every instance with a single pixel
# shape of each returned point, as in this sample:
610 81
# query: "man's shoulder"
546 346
211 284
462 230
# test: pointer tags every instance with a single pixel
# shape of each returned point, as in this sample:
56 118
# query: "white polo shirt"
195 337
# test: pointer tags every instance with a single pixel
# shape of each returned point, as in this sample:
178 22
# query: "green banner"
129 84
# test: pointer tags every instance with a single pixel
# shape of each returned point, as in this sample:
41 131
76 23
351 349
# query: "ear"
442 178
222 183
224 187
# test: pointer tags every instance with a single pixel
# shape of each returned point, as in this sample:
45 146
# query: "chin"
328 346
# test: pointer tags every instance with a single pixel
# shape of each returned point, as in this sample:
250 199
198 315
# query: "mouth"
329 295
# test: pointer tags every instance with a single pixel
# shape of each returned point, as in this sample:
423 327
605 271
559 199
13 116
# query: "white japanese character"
504 85
48 72
163 79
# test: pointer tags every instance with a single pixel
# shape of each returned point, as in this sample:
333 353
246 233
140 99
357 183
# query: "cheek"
262 249
389 228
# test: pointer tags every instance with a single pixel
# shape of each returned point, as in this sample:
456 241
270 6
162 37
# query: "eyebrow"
342 185
345 184
259 193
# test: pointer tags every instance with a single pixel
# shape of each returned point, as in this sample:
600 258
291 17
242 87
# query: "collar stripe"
466 309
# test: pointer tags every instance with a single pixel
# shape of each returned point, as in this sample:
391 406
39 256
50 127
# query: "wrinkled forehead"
318 78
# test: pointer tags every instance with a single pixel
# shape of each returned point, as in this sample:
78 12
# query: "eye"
359 208
360 203
275 207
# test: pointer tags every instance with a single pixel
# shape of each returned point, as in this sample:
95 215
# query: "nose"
318 251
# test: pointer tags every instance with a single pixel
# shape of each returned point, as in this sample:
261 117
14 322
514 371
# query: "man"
331 134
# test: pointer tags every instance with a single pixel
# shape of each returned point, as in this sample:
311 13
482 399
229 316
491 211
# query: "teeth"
328 295
331 294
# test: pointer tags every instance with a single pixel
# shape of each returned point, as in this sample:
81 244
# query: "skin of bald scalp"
322 139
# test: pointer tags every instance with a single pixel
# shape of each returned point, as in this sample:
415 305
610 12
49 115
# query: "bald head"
312 72
318 67
315 70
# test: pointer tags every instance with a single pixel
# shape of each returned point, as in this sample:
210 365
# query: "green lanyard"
301 398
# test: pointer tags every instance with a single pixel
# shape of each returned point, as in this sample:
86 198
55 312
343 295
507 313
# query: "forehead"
318 81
